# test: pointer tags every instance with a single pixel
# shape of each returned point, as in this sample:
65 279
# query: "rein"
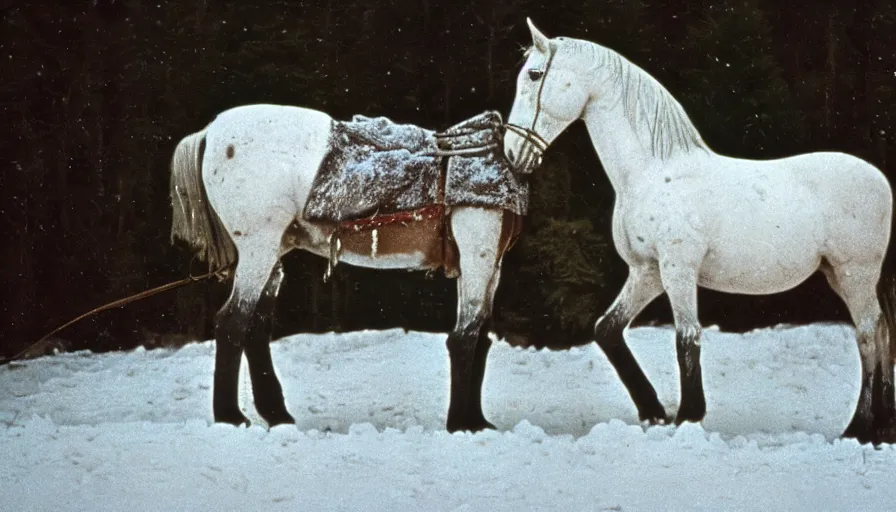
534 144
474 147
222 273
472 150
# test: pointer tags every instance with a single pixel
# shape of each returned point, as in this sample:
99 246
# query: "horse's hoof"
472 426
884 436
655 417
656 421
681 421
280 419
888 436
692 413
485 425
694 417
863 437
688 418
861 431
875 435
235 418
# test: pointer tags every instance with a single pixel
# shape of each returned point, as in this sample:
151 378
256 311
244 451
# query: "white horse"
686 216
239 188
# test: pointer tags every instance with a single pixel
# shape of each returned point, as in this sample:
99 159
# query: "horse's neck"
623 156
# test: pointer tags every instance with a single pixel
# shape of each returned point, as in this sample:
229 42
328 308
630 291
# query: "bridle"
534 144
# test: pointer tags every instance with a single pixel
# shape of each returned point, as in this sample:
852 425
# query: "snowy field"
131 431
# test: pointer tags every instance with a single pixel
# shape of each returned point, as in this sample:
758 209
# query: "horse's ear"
541 41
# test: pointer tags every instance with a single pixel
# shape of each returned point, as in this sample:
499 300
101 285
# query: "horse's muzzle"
531 150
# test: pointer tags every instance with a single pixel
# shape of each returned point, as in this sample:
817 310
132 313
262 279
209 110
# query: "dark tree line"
94 94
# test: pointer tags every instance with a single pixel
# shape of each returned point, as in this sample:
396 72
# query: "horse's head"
550 94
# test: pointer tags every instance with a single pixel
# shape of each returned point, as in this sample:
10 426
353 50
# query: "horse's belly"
759 267
417 245
411 260
763 239
414 245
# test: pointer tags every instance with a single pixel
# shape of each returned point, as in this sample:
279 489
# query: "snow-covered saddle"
376 167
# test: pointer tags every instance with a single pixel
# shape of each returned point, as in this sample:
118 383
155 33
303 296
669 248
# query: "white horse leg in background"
686 216
256 164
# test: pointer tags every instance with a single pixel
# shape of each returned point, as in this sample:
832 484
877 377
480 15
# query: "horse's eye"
535 74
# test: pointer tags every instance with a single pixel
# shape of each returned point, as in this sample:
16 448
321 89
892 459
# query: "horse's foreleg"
680 283
641 287
476 232
480 358
467 358
476 417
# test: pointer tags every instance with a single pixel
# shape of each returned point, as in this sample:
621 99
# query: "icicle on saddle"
385 183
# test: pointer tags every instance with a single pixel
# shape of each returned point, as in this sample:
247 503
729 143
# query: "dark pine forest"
95 94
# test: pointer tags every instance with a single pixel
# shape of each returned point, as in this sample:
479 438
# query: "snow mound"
133 430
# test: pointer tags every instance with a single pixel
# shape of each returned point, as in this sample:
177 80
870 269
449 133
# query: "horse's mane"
647 104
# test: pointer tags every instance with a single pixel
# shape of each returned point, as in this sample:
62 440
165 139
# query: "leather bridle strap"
534 144
529 135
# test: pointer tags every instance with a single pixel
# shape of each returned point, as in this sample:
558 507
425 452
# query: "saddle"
379 173
377 167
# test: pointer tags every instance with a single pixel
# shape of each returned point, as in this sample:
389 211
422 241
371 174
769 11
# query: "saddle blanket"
376 167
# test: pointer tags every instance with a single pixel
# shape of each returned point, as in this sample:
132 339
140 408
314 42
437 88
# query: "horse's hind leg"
476 232
239 327
875 409
228 355
884 398
266 387
642 286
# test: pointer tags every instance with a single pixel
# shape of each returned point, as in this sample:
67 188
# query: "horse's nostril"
510 154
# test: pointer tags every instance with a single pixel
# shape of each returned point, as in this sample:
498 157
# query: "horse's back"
768 224
826 171
823 188
265 124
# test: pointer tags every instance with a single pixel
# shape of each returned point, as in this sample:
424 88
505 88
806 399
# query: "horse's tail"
193 220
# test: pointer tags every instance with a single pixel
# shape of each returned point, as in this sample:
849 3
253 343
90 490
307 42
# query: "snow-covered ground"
131 431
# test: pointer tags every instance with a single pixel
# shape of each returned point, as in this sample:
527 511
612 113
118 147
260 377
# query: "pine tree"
559 265
737 96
